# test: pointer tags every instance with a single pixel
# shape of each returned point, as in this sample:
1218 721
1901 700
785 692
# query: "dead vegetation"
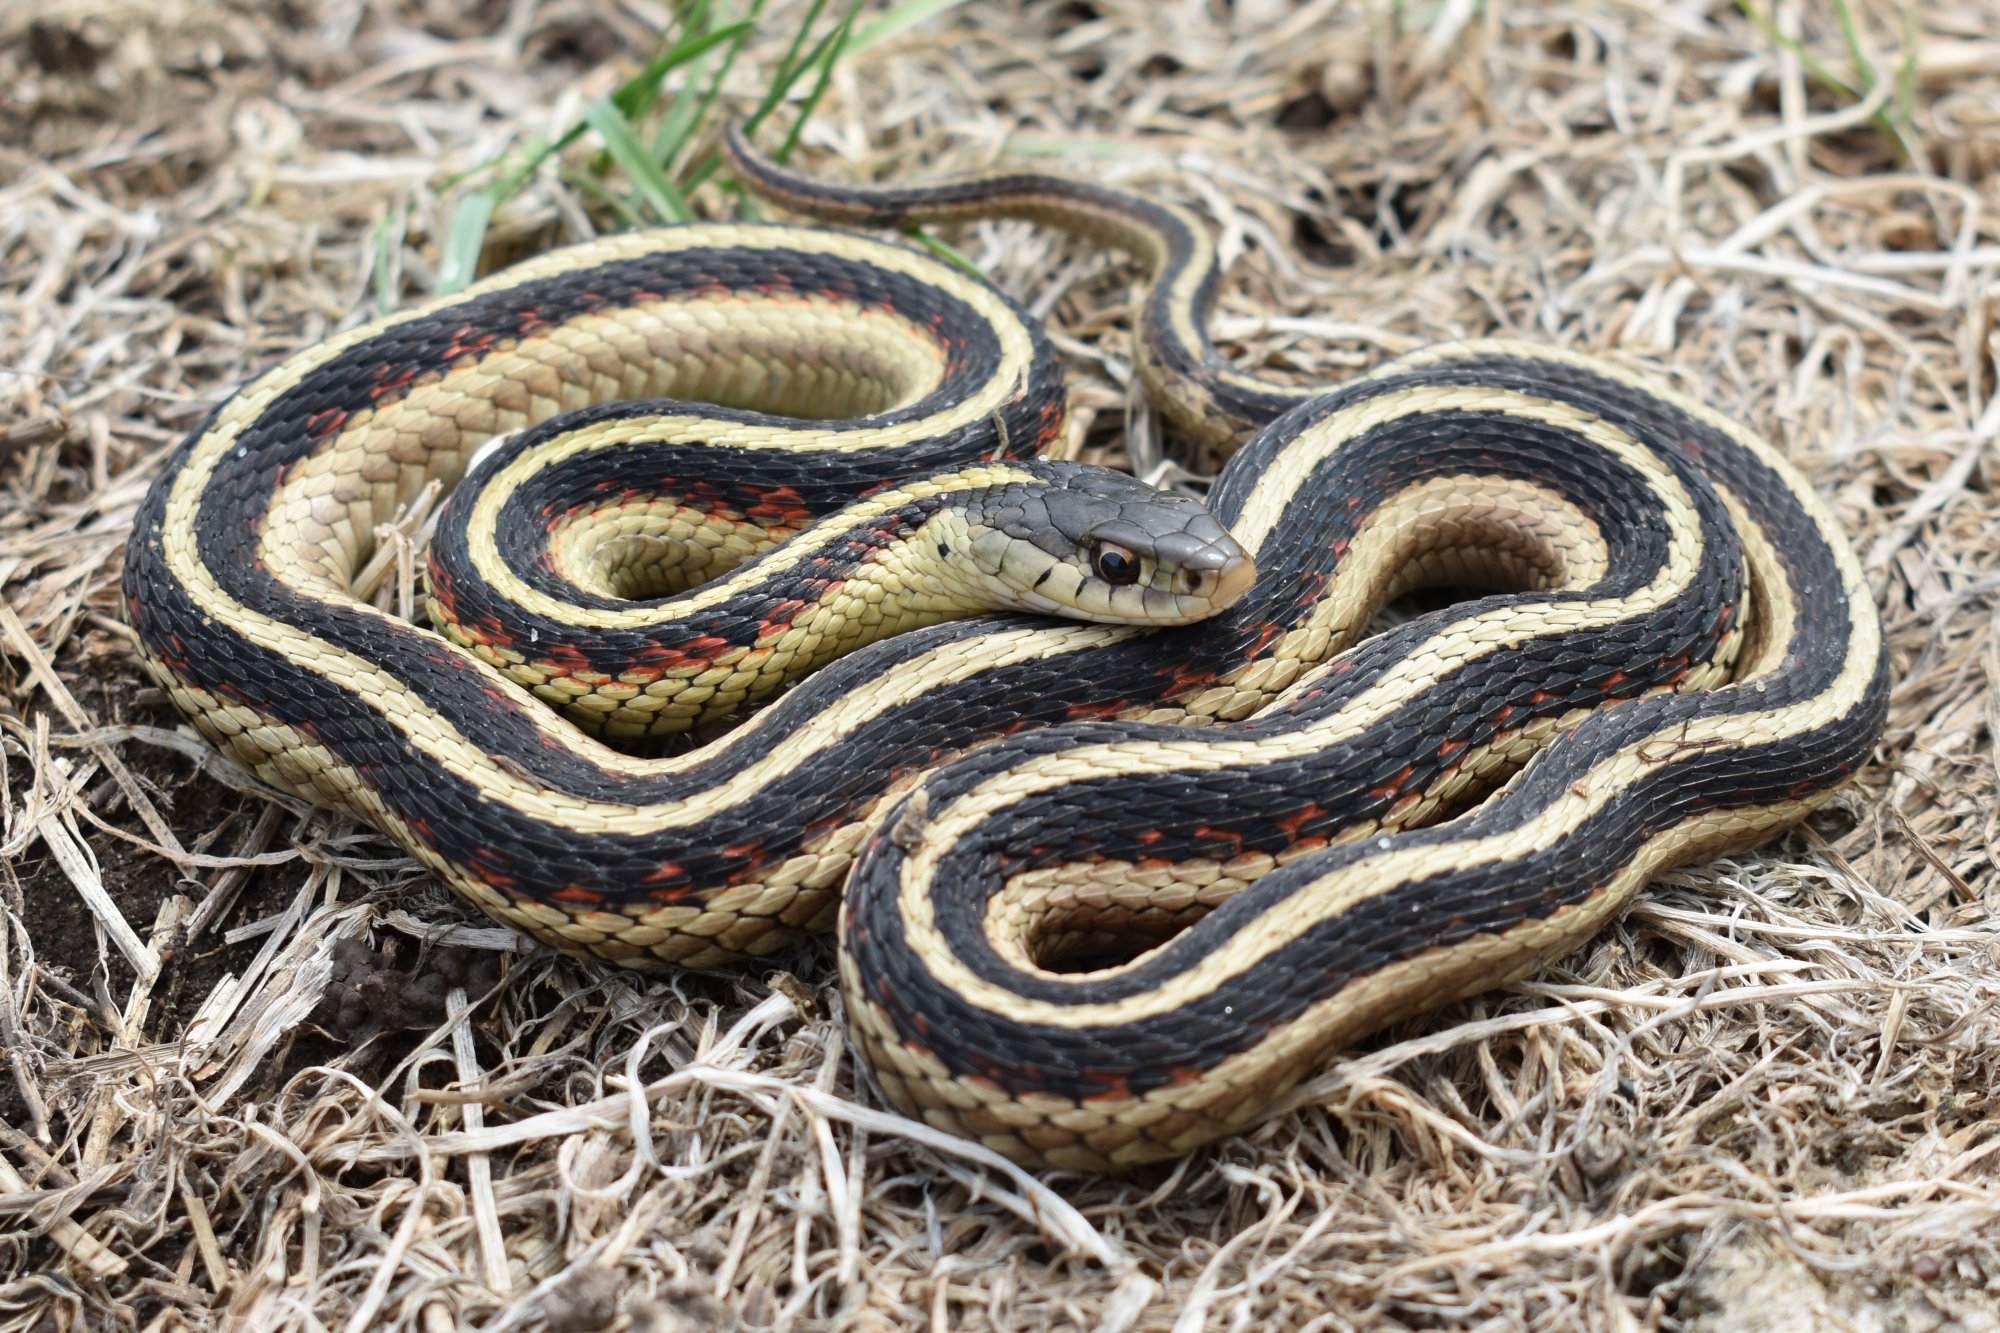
1763 1099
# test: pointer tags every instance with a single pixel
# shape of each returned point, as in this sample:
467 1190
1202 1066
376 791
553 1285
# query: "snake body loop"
1171 869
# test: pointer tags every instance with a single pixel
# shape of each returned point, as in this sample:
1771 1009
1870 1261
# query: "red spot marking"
576 893
782 504
486 630
325 422
782 614
695 650
1611 681
467 340
1116 1089
1081 712
1500 718
1339 547
529 320
1186 682
1294 823
566 658
1265 633
1051 427
489 873
1539 696
390 379
1218 834
1447 752
1150 836
1395 784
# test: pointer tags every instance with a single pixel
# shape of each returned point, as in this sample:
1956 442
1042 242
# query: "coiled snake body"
1171 869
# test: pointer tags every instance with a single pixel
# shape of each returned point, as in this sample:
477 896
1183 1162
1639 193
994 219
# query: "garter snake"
1110 888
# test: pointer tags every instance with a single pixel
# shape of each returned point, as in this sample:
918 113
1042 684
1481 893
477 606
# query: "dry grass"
1763 1100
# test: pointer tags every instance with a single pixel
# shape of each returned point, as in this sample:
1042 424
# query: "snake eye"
1114 564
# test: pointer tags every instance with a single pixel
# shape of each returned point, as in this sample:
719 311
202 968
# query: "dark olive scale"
1109 818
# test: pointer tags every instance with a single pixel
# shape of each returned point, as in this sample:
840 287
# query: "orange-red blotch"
1265 633
564 657
391 379
467 341
1395 784
1051 426
489 874
781 503
325 422
1294 823
782 614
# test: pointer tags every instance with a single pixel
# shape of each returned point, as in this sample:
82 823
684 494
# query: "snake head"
1092 544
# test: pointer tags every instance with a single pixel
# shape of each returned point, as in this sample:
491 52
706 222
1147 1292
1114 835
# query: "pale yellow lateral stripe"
482 540
1470 639
1256 939
1372 876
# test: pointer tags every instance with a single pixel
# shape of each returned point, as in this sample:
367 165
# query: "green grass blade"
388 239
947 253
826 55
622 143
899 20
686 117
464 241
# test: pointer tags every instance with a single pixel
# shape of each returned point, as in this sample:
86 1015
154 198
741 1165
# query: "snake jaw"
1092 544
